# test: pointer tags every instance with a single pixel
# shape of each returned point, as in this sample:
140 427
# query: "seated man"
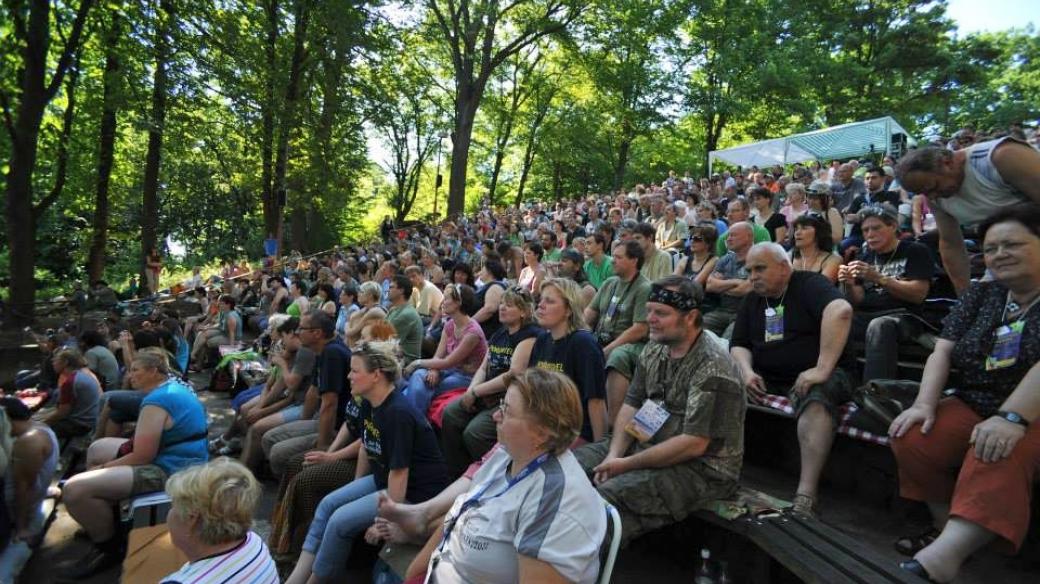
657 263
78 397
788 337
617 316
29 470
678 440
888 280
729 280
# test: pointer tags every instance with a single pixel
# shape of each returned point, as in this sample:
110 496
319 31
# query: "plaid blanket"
782 404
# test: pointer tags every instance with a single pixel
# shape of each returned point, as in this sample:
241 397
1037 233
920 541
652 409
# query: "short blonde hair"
372 290
551 400
223 495
572 297
153 358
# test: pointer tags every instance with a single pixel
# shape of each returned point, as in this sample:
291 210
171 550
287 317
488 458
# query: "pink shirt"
472 362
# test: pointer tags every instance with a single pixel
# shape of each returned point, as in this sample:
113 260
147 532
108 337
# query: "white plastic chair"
614 533
146 510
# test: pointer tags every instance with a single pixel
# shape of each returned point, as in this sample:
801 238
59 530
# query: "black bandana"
676 300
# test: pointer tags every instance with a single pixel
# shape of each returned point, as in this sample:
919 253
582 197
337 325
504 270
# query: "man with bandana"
678 439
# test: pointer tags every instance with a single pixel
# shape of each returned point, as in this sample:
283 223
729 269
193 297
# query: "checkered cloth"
782 404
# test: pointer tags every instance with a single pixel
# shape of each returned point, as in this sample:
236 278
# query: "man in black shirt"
889 279
789 334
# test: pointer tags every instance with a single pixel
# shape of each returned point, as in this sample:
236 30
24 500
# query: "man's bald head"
740 237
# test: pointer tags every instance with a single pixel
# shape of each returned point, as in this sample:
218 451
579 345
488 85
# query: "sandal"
803 504
909 545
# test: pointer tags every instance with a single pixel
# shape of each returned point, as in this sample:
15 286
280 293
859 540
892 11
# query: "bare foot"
404 523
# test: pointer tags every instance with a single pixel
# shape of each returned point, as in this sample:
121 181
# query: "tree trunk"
35 92
622 161
465 113
288 114
270 203
150 205
106 147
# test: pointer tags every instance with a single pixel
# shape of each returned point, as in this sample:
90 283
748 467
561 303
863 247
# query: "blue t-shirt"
184 443
396 436
183 352
579 357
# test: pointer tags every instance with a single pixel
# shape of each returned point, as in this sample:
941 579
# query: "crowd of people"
481 386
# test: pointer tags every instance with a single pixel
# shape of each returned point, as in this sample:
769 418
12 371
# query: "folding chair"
613 535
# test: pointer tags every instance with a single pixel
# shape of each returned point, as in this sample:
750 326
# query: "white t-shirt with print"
554 515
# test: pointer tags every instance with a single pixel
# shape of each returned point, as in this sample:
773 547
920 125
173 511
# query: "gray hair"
793 188
775 250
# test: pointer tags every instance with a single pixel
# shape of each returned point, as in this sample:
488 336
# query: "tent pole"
711 160
888 137
787 146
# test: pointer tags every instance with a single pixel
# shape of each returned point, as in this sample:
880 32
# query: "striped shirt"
248 563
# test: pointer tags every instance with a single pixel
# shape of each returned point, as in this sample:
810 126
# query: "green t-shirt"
761 235
409 327
629 300
599 274
551 255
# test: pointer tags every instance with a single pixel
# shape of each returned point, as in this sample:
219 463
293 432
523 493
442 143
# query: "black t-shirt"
580 357
887 197
909 261
775 220
395 436
491 325
501 346
333 367
808 294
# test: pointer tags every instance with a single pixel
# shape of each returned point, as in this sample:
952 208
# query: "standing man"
617 316
966 186
789 335
657 474
404 318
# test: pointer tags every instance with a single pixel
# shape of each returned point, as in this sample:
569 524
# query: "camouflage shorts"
148 478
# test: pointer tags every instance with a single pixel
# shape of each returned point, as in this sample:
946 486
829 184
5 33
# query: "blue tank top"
184 443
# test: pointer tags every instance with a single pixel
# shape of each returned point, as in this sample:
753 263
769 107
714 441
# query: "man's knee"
883 329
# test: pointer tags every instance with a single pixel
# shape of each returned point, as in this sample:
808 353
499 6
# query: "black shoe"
915 568
97 561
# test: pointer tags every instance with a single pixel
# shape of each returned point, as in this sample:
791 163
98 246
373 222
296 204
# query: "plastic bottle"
724 573
705 574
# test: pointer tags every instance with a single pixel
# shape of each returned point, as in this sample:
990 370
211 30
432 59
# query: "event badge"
647 422
612 308
1005 346
775 324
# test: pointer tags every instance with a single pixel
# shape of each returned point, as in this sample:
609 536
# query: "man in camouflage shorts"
678 440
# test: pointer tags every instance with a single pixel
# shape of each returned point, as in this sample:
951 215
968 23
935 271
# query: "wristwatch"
1014 418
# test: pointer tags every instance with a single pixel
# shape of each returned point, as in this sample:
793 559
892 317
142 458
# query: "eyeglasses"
699 238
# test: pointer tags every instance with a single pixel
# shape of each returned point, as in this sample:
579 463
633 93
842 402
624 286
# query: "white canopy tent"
836 142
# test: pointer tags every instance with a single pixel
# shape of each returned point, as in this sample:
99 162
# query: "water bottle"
724 574
705 574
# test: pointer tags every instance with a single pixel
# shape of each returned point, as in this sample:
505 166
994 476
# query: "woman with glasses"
989 425
398 454
498 531
467 430
568 347
813 249
700 259
459 353
820 202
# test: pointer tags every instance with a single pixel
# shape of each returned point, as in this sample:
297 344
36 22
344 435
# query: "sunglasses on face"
698 238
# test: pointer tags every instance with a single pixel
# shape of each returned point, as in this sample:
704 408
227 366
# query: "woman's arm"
837 225
461 353
397 484
362 469
1025 400
534 571
680 266
491 301
933 380
232 328
517 364
147 438
781 234
706 270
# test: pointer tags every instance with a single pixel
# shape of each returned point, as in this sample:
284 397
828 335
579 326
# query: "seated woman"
498 531
368 295
79 393
534 272
298 302
170 435
819 194
226 331
399 453
459 353
325 299
467 430
566 346
347 307
699 258
211 512
813 249
988 426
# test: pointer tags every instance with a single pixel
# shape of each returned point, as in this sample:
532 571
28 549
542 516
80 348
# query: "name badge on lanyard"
1006 341
647 421
774 324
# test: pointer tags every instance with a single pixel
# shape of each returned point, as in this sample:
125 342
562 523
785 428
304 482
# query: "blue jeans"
341 515
124 405
420 395
245 395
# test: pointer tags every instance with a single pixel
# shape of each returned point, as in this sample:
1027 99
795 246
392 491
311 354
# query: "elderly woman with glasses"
497 531
699 261
467 430
211 513
987 426
459 353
